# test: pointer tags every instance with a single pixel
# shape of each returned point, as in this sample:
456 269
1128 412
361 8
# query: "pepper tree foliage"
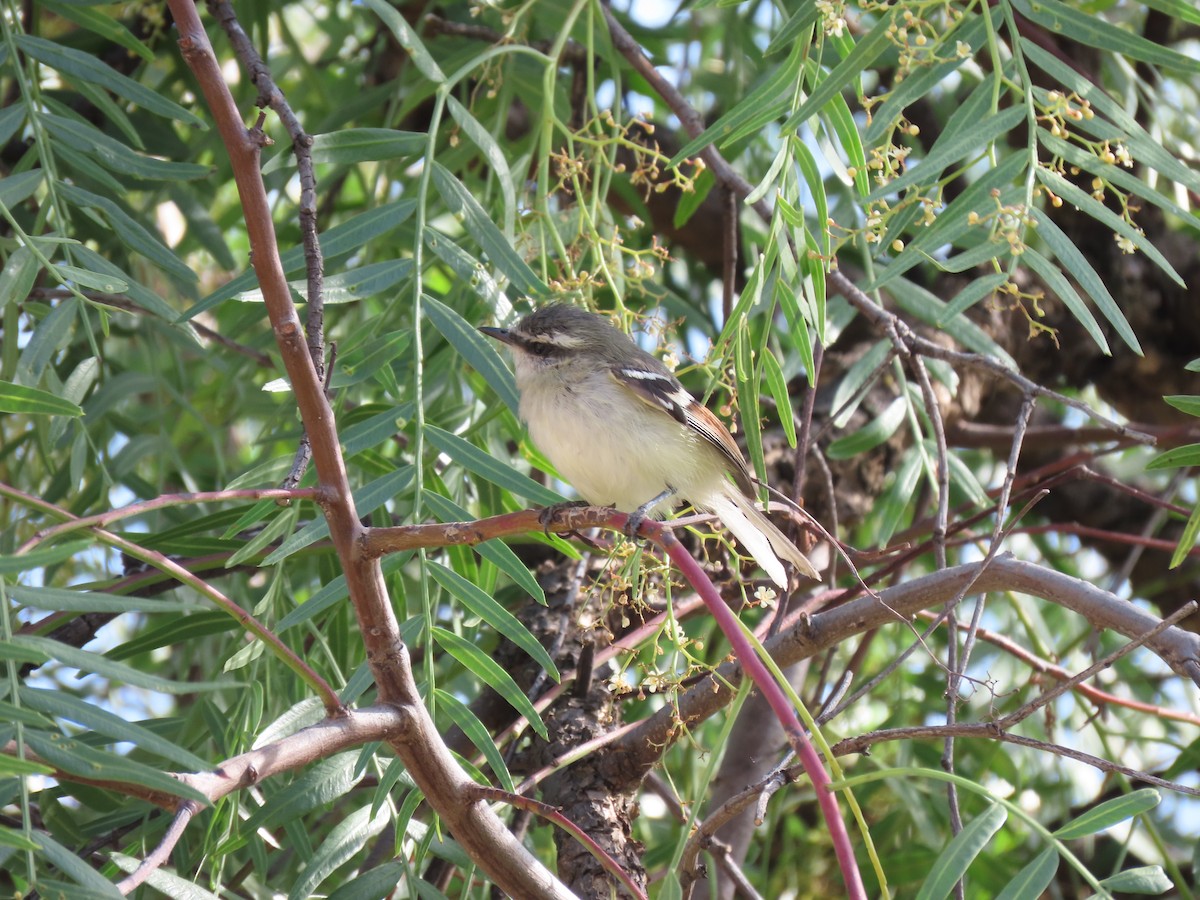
936 255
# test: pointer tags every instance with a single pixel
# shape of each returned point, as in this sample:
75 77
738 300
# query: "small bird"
625 433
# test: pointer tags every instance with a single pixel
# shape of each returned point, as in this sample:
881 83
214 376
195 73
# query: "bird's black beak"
503 335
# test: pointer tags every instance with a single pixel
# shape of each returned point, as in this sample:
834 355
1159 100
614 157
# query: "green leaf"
469 725
479 352
953 862
1075 262
408 39
355 145
470 271
925 306
764 102
917 85
791 33
41 557
1090 28
494 551
777 384
104 24
64 600
490 673
488 467
77 64
1032 880
86 278
351 235
1188 455
1109 813
67 706
889 511
98 664
1057 282
74 756
497 164
492 613
970 295
344 840
816 187
1101 213
866 51
16 398
118 157
1140 880
326 781
971 128
870 435
19 276
131 233
479 225
366 498
850 390
71 865
1187 539
16 189
953 223
1185 403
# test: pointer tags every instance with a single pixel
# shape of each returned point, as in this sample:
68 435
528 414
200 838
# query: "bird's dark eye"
540 349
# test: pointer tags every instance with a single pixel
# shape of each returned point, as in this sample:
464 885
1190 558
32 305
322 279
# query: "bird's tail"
759 536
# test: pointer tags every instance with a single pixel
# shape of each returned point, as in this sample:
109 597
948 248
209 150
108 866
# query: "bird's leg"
638 516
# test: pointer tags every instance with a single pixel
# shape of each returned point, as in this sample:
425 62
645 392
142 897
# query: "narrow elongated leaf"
1139 880
889 512
498 165
344 840
968 131
366 498
16 189
925 306
98 664
408 39
970 295
489 671
1081 270
16 398
66 706
1032 880
355 145
764 102
470 272
70 864
1146 148
1109 813
953 862
480 226
165 882
466 721
870 435
954 221
324 782
345 237
77 64
495 615
866 50
107 26
132 233
1093 30
972 32
41 557
19 276
78 758
479 351
1057 282
777 384
86 278
117 157
1101 213
488 467
496 552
